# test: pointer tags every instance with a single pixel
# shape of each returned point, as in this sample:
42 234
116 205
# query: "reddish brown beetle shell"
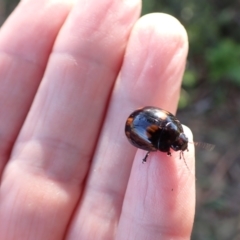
152 129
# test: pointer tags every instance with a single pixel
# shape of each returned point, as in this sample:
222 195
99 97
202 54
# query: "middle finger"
151 75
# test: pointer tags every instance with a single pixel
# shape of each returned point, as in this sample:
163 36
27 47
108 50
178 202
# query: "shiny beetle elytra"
152 129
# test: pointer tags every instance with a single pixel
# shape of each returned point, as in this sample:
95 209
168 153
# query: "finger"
151 75
25 45
55 145
160 198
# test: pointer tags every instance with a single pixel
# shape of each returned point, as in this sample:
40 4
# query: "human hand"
71 72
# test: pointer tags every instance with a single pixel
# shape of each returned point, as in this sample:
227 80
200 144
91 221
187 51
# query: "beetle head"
181 143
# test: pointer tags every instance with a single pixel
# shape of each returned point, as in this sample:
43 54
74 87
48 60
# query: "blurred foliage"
10 5
213 32
223 61
6 7
209 105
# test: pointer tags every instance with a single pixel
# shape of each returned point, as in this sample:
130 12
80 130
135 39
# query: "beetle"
151 129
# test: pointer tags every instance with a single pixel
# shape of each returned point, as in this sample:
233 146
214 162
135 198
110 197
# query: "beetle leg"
145 158
169 154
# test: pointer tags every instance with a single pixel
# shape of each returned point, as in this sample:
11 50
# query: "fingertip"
155 60
165 26
188 133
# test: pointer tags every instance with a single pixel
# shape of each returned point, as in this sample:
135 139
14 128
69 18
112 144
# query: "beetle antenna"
145 158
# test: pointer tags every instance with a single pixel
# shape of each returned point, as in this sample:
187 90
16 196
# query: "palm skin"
70 74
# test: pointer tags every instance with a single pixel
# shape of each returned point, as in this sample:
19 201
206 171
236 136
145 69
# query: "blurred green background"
209 105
